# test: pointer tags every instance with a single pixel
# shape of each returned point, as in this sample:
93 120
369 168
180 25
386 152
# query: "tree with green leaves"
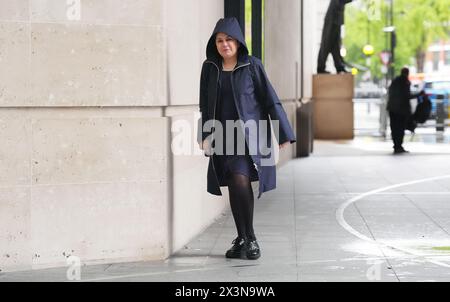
418 23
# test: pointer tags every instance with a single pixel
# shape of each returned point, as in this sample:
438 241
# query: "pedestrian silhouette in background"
331 36
234 87
399 108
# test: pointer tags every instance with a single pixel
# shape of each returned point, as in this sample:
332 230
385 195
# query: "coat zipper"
237 107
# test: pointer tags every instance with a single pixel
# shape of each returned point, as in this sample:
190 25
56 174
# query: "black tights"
242 204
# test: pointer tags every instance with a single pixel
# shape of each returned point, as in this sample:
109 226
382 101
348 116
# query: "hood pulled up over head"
229 26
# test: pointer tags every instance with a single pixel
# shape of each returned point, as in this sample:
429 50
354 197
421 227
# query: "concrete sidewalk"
350 212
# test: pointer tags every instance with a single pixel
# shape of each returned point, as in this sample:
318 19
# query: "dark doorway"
254 8
257 10
236 8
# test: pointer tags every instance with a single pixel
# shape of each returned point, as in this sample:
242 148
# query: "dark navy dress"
231 163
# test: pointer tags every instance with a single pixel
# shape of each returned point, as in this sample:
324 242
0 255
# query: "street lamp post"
389 29
391 38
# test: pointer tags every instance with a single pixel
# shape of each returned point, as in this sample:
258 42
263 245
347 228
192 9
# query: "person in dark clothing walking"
399 108
331 36
234 88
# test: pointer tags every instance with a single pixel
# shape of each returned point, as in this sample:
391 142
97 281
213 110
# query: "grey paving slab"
345 271
430 202
404 232
421 269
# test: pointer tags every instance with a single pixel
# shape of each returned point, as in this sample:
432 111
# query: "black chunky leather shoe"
238 249
252 250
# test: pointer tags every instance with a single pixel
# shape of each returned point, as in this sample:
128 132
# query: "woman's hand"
284 145
205 147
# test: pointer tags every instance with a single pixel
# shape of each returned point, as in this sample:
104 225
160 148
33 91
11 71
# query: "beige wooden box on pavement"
333 106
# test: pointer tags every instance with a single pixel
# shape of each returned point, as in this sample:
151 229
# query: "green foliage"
248 25
418 23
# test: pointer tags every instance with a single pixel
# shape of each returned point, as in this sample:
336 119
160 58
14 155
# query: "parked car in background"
435 87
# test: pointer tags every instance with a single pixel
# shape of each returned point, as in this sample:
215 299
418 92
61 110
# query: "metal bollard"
305 136
440 113
383 117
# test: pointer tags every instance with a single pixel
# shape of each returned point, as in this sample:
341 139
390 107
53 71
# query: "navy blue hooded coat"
255 99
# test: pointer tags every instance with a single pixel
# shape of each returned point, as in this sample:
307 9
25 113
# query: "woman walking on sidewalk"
234 87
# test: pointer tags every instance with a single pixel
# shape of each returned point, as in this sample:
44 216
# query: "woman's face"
226 46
